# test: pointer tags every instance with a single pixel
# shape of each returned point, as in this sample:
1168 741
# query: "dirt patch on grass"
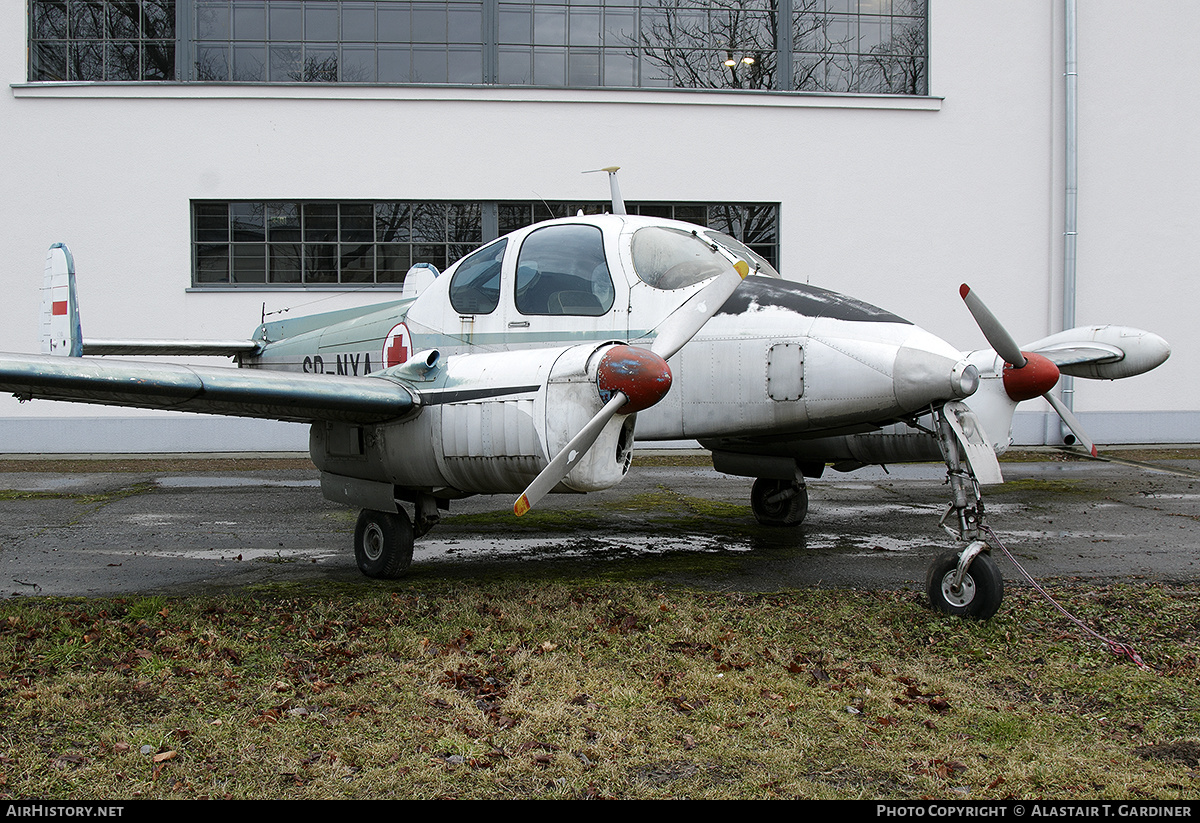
1186 752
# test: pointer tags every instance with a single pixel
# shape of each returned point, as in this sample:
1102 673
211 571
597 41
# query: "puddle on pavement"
863 546
430 548
244 555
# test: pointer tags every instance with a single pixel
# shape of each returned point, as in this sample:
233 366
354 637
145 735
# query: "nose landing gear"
965 582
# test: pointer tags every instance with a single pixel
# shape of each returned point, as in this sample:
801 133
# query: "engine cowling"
489 423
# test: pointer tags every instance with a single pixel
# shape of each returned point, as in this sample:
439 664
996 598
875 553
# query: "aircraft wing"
1103 352
1077 354
231 391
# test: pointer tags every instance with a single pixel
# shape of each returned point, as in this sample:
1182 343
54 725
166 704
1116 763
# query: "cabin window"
562 270
674 259
475 286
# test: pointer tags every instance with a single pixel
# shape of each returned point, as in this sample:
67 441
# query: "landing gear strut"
963 582
383 543
779 502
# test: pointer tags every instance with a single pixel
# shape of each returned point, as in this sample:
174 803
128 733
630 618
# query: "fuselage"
778 357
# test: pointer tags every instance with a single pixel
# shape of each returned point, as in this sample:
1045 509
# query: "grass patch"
1051 486
17 494
666 508
577 688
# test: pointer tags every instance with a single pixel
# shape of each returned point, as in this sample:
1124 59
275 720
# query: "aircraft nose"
922 377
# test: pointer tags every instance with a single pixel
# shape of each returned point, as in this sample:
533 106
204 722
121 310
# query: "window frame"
75 34
820 46
227 254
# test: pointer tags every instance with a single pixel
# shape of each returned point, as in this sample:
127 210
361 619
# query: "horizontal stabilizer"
230 391
169 348
62 332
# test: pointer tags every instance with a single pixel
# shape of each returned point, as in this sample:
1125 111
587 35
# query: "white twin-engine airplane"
524 368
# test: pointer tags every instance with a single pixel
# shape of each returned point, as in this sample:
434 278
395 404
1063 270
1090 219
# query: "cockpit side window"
475 286
672 259
562 271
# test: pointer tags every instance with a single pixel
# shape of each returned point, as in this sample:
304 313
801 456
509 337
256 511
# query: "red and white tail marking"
60 312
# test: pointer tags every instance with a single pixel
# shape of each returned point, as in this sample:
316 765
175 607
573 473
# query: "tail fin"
61 333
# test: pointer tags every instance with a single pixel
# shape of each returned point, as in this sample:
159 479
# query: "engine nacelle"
521 409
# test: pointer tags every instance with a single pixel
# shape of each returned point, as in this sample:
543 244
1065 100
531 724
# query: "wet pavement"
175 532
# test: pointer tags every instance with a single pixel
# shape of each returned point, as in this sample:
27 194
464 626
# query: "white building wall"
1139 214
893 200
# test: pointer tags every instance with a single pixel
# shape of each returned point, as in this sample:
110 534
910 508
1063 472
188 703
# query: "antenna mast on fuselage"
618 205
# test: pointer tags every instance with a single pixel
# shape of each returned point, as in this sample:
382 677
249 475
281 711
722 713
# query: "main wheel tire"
789 511
383 544
981 591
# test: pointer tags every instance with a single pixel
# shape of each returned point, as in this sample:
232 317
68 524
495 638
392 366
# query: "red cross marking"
395 351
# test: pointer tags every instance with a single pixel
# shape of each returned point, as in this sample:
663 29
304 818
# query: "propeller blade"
997 336
565 460
682 324
1072 422
636 377
629 379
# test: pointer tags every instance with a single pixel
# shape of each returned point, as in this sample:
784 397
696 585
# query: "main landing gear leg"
779 502
963 582
383 543
383 540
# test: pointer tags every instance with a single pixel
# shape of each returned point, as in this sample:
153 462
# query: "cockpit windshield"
669 259
758 263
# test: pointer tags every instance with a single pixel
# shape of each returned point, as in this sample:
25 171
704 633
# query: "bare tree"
899 65
833 52
721 44
733 44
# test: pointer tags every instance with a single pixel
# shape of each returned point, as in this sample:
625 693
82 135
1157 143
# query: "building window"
326 243
102 40
845 46
860 46
337 41
291 244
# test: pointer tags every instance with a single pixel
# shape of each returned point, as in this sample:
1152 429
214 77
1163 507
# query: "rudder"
60 327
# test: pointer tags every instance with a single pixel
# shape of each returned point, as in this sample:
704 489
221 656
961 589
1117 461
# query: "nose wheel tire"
779 502
383 544
979 595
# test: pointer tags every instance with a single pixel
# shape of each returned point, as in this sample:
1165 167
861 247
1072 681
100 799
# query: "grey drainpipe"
1071 221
